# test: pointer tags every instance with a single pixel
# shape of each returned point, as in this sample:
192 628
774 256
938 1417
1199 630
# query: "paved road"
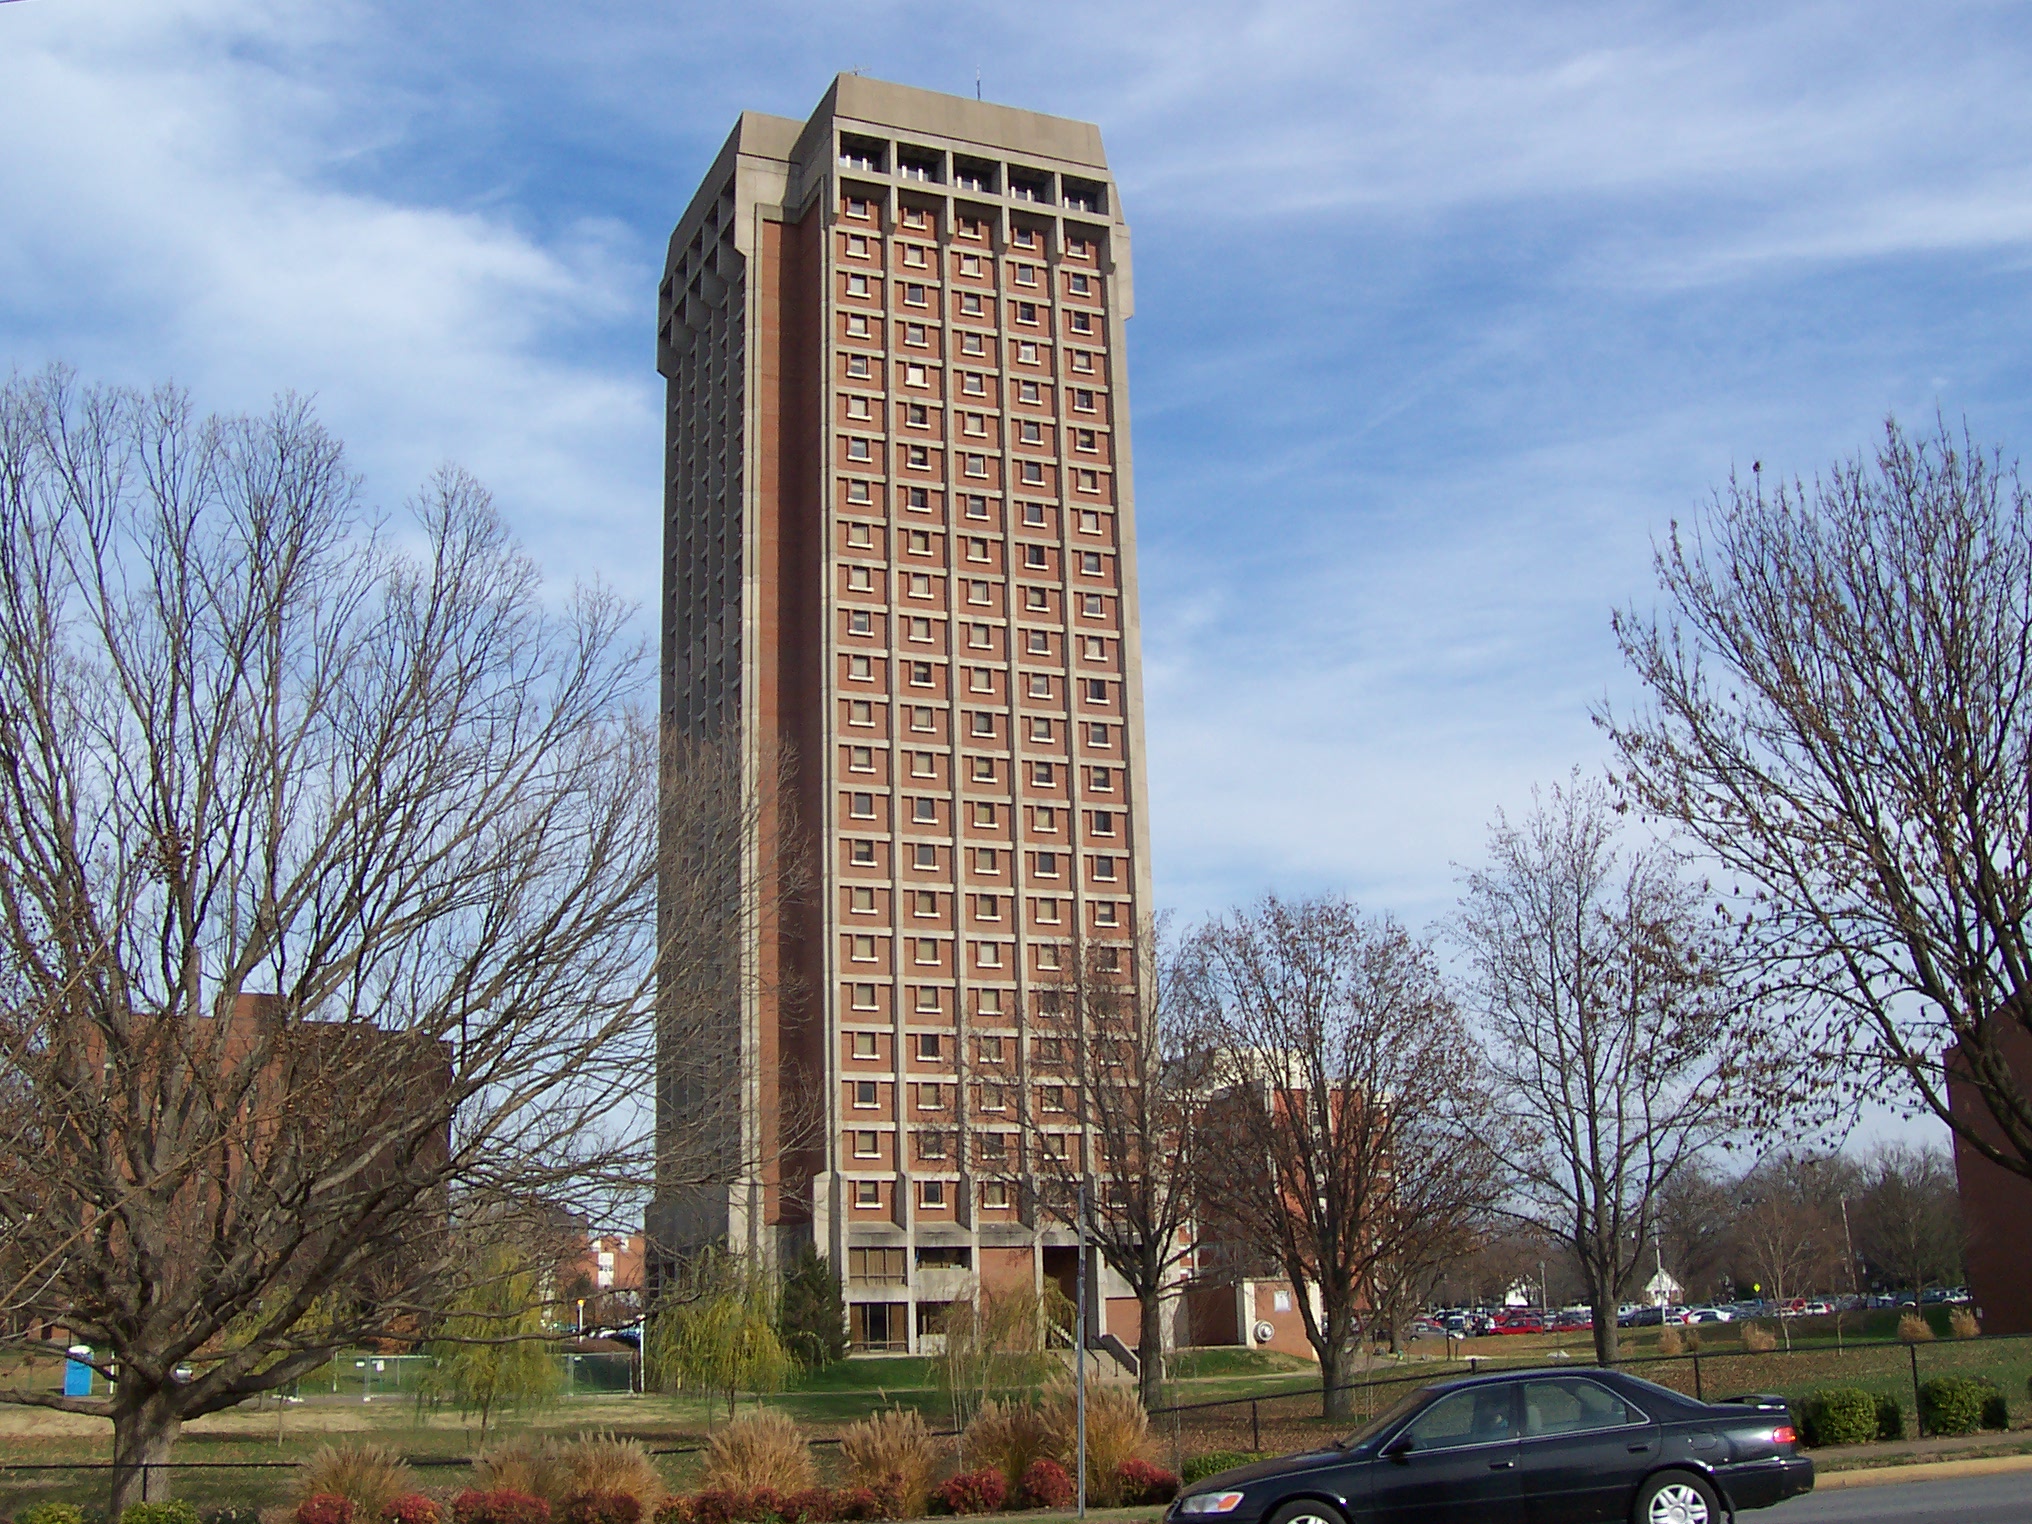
2005 1498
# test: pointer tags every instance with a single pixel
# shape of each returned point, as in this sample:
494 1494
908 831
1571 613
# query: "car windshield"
1386 1419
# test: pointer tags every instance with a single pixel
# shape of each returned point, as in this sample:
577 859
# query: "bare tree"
327 911
1842 715
1352 1126
1785 1230
1136 1082
1907 1217
1610 1027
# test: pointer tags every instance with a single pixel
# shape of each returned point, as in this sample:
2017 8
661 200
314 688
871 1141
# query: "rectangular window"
866 1044
1085 439
867 1194
927 997
860 579
1026 312
1104 780
1040 685
1047 956
859 492
860 367
980 592
1026 354
1090 563
1037 642
984 769
977 465
982 724
924 855
1026 275
988 954
861 853
857 285
866 1094
1093 606
1045 817
1051 1098
931 1193
1034 558
920 458
920 674
1033 473
860 712
984 813
974 425
1082 360
857 325
1104 822
915 375
991 1050
994 1195
1078 283
987 860
1104 869
1097 735
988 907
926 901
859 450
860 622
864 1000
1089 481
923 764
1040 730
916 416
1082 322
970 304
1030 431
1104 913
977 507
1096 648
1082 400
1047 912
857 246
863 949
1047 865
860 759
924 811
1097 690
861 900
861 806
867 1144
861 669
931 1145
927 950
921 719
973 384
913 295
920 629
914 335
928 1046
980 680
973 344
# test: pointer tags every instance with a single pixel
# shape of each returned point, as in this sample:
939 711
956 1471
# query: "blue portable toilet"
77 1374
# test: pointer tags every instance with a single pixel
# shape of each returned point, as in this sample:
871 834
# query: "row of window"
929 999
857 408
929 674
984 814
916 256
1077 245
927 629
994 1194
931 1047
914 335
862 535
857 449
1029 352
974 506
929 952
982 769
981 727
925 903
975 466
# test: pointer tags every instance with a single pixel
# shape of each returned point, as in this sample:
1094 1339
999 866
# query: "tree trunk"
1337 1367
1150 1348
145 1427
1603 1305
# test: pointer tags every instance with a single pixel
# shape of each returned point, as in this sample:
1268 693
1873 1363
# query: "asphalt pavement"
2003 1498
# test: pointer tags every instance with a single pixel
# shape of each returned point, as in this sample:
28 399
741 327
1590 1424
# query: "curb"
1921 1471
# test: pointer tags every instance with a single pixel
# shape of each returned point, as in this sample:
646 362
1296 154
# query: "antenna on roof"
977 84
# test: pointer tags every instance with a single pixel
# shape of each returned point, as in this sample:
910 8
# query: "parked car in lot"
1708 1315
1547 1446
1642 1317
1519 1320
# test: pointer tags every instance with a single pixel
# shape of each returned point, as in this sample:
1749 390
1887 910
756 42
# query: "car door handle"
1640 1449
1501 1465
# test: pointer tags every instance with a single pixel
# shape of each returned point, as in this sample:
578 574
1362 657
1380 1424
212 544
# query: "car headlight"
1211 1502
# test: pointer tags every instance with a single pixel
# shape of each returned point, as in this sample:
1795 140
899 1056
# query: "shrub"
1199 1467
1671 1342
893 1456
178 1512
1913 1329
761 1450
1118 1431
982 1491
1838 1415
1045 1485
602 1463
51 1513
1007 1436
1962 1323
601 1508
856 1503
1144 1482
1890 1419
532 1467
325 1508
499 1505
412 1508
1960 1405
814 1505
676 1510
716 1505
370 1477
1757 1338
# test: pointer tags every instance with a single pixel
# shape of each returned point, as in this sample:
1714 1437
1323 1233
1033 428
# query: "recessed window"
914 295
923 764
1097 690
1093 605
1096 648
857 246
988 1002
863 949
1051 1098
1047 956
864 1000
1080 322
859 367
860 759
1104 822
927 997
1037 642
1045 817
987 860
980 636
991 1050
1047 912
919 500
1028 391
867 1194
921 719
920 629
1040 729
931 1193
970 264
857 325
982 724
861 409
1026 275
980 592
866 1043
861 854
1104 869
1089 481
861 668
860 537
1082 361
1030 431
914 335
1026 354
916 256
1103 780
860 579
984 769
1078 283
988 907
1098 735
929 1045
1090 563
995 1193
1034 558
1047 865
977 465
867 1144
1025 238
857 285
858 206
1026 312
923 856
927 950
920 457
972 384
924 811
1033 473
973 344
1085 439
984 813
860 622
977 549
861 806
859 450
988 954
977 507
931 1145
926 903
1040 685
1033 515
860 712
916 416
1082 400
1104 913
971 304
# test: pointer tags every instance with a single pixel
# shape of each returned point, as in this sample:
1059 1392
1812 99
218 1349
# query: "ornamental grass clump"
1962 1323
1008 1436
1913 1329
894 1456
1756 1338
602 1465
370 1477
1118 1431
531 1467
761 1450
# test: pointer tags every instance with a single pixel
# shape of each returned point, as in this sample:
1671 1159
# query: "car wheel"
1677 1497
1306 1511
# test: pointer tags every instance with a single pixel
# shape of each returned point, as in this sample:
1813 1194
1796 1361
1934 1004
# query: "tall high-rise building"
900 567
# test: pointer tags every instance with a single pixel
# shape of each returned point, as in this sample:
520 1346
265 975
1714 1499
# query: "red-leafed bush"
814 1505
601 1508
852 1504
679 1510
981 1491
1142 1482
412 1508
503 1505
325 1508
1045 1485
716 1505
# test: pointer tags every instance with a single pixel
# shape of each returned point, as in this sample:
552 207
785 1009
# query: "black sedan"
1526 1447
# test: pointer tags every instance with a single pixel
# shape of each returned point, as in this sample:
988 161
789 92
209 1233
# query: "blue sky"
1444 311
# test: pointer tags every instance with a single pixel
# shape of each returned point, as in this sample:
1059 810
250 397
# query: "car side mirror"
1398 1448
